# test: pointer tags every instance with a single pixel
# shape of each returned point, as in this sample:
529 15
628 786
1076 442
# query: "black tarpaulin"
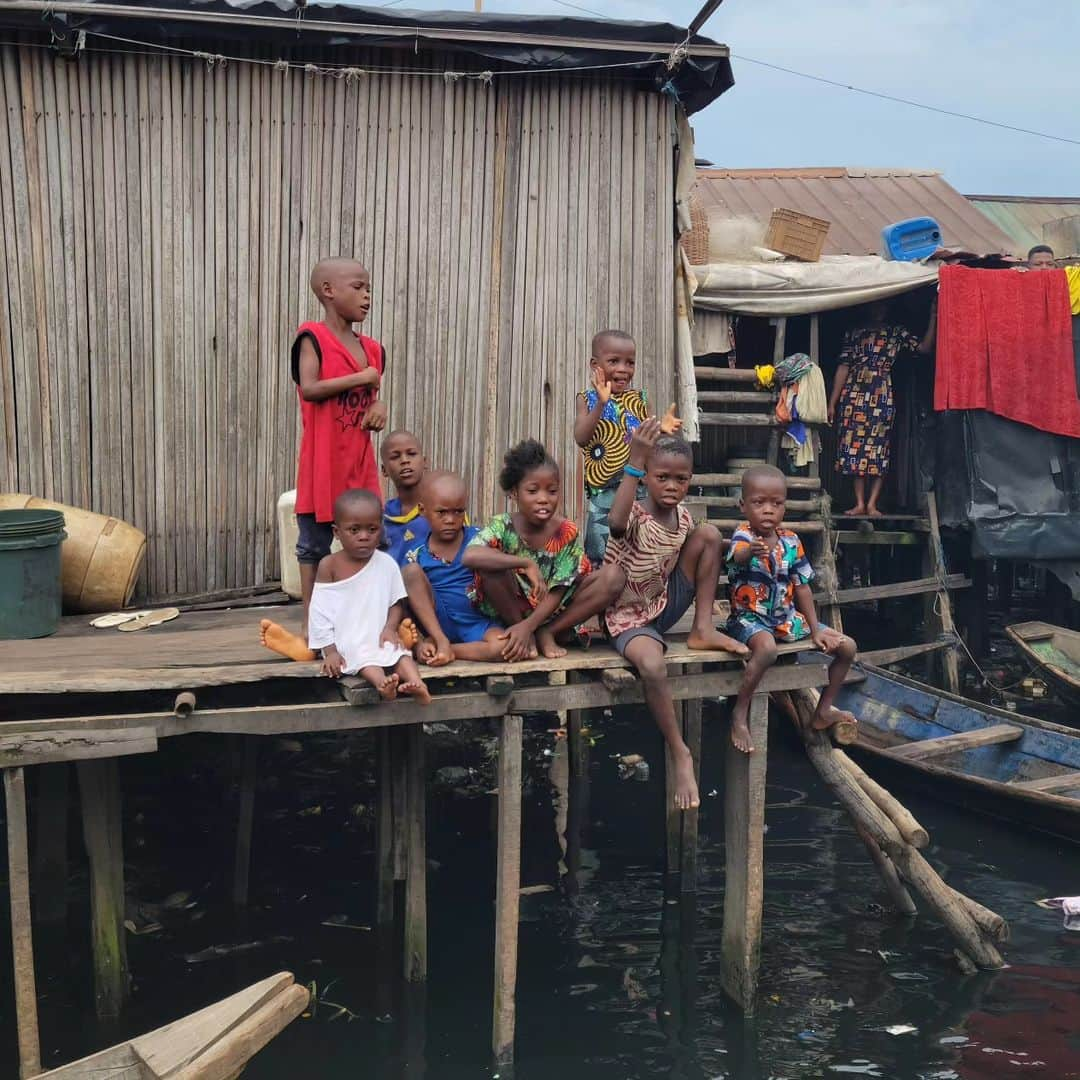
500 41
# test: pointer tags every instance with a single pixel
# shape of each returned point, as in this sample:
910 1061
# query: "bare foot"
407 634
827 718
435 653
715 641
388 691
740 729
858 510
417 689
283 641
873 511
686 789
548 646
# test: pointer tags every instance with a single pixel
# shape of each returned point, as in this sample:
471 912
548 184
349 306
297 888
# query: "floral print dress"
864 415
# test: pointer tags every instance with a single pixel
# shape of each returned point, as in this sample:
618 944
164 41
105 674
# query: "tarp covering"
1017 487
795 288
696 81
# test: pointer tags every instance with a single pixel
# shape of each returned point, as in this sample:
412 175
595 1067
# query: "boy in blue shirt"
404 465
438 583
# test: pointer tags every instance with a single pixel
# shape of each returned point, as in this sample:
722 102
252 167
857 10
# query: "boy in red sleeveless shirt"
338 373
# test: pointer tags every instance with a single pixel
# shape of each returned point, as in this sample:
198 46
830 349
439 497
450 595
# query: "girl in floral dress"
861 404
532 574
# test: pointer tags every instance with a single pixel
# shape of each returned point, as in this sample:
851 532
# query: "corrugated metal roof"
858 203
1023 218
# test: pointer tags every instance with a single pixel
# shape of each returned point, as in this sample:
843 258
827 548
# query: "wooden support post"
826 567
416 858
384 829
22 943
772 454
248 755
692 737
951 671
99 789
673 817
507 886
50 843
744 844
398 796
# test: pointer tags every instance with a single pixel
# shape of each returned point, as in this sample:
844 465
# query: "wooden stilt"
384 829
688 856
673 816
508 883
50 843
416 857
22 944
99 789
248 754
399 787
577 803
898 894
772 453
951 672
744 832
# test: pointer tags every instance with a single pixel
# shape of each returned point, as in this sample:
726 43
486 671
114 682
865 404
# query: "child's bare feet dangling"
740 729
686 790
830 717
416 688
388 688
280 640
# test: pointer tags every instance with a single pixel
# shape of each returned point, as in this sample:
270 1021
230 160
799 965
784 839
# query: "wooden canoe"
214 1043
1055 651
1000 763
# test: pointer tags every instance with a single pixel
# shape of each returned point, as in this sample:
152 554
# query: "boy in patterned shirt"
608 414
669 564
769 579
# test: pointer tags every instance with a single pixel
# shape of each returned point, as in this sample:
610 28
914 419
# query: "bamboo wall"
159 220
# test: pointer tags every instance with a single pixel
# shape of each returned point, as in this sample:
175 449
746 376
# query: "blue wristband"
637 474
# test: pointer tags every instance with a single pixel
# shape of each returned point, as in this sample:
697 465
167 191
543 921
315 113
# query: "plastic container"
101 557
911 240
798 235
288 534
30 572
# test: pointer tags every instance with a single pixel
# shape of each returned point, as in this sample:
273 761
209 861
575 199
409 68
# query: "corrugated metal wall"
160 218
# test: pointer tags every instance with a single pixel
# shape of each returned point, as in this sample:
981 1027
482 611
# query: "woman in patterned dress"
861 404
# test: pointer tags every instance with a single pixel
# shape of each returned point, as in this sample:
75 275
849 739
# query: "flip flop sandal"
150 618
115 618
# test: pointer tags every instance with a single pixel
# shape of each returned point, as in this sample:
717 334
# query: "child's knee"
612 581
651 667
763 649
847 649
708 536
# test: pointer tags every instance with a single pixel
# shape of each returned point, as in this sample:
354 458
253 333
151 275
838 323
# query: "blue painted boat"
999 763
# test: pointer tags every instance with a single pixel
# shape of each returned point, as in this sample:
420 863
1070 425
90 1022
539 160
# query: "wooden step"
738 397
739 419
879 537
900 588
1058 782
794 506
802 483
725 374
953 744
728 525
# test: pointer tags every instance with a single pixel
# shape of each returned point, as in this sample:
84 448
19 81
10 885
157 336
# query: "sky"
1014 62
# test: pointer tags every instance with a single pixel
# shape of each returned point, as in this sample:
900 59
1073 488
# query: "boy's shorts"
746 624
313 543
462 627
680 595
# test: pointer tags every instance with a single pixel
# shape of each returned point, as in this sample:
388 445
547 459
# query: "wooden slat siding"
164 217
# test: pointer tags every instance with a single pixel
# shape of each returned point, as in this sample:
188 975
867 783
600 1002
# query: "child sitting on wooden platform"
356 608
668 564
438 581
532 573
769 579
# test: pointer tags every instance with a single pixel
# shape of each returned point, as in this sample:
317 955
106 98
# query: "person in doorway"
861 403
338 375
1041 257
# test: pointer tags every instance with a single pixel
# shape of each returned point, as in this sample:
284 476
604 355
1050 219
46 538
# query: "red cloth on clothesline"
1004 344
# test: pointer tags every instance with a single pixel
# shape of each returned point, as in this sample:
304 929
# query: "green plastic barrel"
30 593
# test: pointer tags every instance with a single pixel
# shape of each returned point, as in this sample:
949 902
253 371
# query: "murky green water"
614 981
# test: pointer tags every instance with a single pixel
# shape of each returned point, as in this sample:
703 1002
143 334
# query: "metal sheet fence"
159 220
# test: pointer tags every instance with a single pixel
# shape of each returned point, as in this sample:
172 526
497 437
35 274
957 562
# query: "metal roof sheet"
858 203
1023 217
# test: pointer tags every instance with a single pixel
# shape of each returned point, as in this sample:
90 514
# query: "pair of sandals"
135 620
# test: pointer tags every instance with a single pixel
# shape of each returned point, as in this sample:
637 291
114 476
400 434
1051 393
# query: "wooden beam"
384 829
51 843
900 588
943 604
725 374
807 528
248 761
794 483
953 744
99 789
507 886
880 537
738 397
736 419
885 657
794 506
744 846
688 865
36 749
22 942
416 857
1057 782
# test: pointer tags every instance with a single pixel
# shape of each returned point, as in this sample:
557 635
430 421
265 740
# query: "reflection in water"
617 981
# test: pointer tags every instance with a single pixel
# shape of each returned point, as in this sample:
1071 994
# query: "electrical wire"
907 101
578 7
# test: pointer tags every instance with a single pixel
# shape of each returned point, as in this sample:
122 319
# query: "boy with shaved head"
338 374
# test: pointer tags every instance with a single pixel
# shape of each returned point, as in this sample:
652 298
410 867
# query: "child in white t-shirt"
356 614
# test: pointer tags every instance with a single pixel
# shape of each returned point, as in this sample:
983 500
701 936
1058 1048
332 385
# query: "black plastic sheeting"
1016 487
696 82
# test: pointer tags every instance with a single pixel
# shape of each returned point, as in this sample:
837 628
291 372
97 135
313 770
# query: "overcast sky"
1016 63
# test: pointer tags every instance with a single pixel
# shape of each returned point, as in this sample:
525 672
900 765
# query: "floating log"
899 814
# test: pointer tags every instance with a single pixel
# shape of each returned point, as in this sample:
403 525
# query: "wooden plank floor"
219 648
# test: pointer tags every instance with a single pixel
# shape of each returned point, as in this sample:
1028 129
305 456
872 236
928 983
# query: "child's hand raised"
601 385
669 422
643 440
758 548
